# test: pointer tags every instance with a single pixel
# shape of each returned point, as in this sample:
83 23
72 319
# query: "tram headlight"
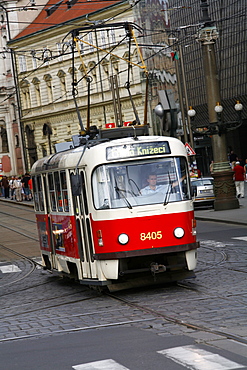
179 232
123 239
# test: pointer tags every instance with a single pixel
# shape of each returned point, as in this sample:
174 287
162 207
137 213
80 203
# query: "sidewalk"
232 216
237 216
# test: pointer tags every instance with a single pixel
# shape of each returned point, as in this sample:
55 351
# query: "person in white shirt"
152 186
18 189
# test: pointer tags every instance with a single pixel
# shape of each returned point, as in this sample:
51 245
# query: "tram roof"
80 156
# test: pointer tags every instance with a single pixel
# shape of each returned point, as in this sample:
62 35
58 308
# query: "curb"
201 218
23 203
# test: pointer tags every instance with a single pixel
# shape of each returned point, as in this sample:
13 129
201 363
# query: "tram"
117 211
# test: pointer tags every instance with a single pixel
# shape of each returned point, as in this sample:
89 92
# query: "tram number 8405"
151 235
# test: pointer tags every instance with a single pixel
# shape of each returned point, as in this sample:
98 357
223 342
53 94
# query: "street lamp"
224 187
220 126
223 177
191 113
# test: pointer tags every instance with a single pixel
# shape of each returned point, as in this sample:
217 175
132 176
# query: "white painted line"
101 365
241 238
6 269
194 358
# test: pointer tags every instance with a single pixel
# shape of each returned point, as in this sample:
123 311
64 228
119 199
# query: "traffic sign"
189 149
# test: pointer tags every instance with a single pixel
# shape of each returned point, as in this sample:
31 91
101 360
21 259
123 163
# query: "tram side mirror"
75 184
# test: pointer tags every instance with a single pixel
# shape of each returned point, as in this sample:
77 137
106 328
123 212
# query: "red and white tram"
117 212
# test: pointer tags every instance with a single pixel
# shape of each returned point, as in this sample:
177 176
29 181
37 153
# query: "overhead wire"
153 33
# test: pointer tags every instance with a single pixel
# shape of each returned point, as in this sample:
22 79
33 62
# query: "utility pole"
15 80
225 192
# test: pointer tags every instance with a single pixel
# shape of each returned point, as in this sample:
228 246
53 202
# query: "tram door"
83 225
49 220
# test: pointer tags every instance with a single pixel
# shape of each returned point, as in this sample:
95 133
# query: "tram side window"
64 191
40 193
35 194
101 186
58 191
52 191
74 197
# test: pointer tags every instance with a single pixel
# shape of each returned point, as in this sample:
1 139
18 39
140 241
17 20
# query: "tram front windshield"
131 184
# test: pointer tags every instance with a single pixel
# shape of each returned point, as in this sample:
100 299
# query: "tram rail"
148 313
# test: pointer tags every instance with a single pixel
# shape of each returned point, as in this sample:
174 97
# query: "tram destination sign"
137 150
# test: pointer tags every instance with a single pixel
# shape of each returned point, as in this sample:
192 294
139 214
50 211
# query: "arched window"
4 147
31 145
48 80
61 74
25 93
47 131
36 83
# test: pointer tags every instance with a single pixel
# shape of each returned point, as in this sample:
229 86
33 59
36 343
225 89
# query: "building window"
81 46
46 56
61 74
90 40
34 62
4 148
22 63
113 35
17 141
47 131
102 36
59 49
44 151
36 83
48 80
25 94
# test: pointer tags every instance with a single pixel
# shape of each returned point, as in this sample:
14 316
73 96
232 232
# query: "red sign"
128 123
110 125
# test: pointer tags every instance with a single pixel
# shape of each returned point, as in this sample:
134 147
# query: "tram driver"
152 186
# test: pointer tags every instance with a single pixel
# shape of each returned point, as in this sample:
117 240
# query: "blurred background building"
229 17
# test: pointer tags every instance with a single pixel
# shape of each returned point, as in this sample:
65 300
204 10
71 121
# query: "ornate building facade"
54 86
15 15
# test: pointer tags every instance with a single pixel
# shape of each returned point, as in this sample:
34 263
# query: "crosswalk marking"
5 269
241 238
101 365
190 357
194 358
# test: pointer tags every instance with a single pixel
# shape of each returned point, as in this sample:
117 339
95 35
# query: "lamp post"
225 193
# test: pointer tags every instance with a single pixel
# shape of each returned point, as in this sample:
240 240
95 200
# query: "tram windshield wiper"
121 193
168 192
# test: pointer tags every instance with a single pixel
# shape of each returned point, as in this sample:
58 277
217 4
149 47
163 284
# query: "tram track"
142 313
21 232
17 217
179 322
30 261
153 315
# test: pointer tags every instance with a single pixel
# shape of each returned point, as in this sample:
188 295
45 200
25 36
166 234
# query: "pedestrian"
30 184
245 170
25 181
18 189
233 158
5 185
12 188
1 187
239 179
